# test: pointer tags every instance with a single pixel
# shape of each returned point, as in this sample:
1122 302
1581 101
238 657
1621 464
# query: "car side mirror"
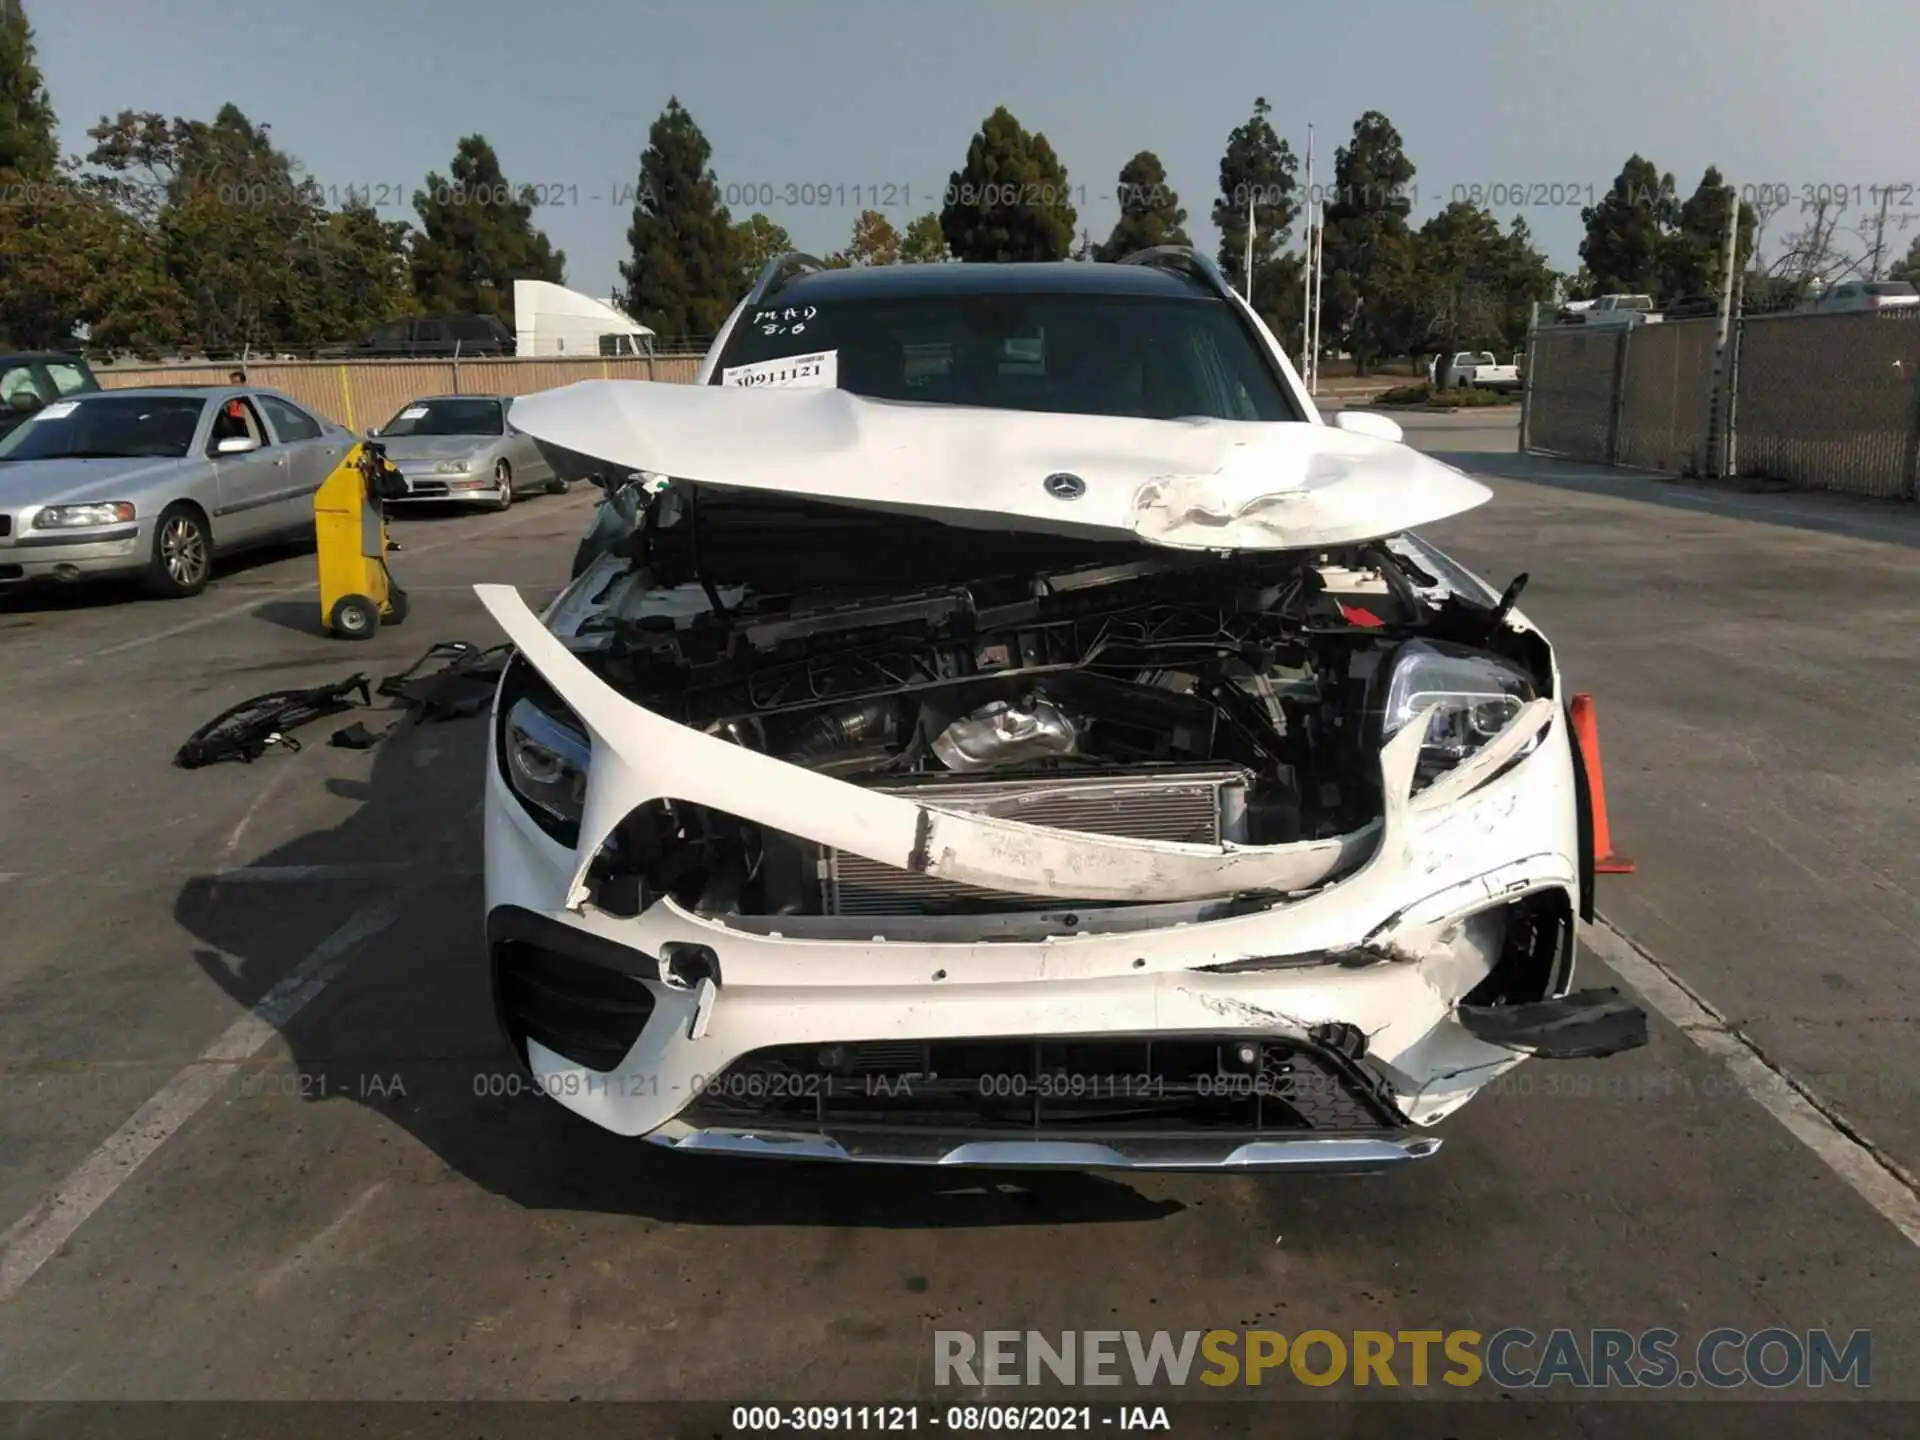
236 445
1365 422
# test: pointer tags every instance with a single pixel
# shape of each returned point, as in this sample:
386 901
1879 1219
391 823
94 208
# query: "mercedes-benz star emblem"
1063 486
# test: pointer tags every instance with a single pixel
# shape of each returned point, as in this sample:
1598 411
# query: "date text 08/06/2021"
947 1419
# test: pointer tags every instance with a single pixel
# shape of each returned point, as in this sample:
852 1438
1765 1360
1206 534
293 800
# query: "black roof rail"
778 271
1186 260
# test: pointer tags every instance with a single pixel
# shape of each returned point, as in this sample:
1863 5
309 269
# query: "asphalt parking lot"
254 1145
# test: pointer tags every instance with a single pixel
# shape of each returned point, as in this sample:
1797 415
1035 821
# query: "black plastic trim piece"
1585 1025
508 924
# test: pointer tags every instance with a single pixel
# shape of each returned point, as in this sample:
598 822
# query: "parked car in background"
158 482
30 381
430 336
1621 310
1691 307
1473 370
1851 295
465 448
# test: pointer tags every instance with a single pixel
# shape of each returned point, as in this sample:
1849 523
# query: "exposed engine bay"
1105 688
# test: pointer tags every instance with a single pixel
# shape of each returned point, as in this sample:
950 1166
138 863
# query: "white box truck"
553 322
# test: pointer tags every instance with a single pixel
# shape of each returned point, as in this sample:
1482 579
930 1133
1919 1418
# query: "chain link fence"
1829 402
1572 374
1664 393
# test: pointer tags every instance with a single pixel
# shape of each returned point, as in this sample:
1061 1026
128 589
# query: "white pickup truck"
1470 371
1621 310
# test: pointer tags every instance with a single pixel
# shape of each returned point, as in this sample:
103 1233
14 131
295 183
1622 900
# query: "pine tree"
1150 212
1368 248
1627 229
1258 168
1010 201
684 278
27 145
477 237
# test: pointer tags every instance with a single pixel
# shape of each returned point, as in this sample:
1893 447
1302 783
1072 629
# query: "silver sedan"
465 448
157 482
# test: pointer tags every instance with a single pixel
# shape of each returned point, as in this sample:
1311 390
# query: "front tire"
354 617
503 479
182 561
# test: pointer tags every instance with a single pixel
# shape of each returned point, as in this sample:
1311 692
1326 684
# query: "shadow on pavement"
298 613
407 1027
1895 522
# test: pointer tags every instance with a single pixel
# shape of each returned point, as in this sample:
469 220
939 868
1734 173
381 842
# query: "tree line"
172 232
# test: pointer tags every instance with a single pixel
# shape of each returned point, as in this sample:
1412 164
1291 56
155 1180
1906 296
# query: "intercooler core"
1202 806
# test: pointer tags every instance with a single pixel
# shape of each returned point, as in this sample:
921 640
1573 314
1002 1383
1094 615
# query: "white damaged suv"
1022 732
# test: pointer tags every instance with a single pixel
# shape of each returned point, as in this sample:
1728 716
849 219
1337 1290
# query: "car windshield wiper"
103 455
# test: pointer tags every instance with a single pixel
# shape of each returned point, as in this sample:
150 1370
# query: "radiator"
1200 807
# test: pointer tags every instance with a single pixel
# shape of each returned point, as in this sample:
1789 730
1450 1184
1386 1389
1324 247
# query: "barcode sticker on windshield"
819 371
59 410
413 412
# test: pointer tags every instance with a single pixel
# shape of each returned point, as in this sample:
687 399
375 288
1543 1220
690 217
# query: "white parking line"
37 1236
1875 1178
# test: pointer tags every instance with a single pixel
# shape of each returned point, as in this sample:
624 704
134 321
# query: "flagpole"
1319 275
1306 293
1246 285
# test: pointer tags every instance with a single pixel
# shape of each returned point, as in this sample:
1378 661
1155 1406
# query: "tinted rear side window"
1152 357
290 424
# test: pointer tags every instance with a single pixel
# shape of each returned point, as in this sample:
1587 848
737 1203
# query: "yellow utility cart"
357 594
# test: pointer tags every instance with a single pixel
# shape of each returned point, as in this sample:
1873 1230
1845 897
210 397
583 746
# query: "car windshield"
446 417
1149 357
108 427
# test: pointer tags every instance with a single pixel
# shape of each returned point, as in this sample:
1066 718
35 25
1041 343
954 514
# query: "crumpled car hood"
1195 484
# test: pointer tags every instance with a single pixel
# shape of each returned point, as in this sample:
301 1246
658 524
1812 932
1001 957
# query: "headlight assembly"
546 761
453 467
1463 698
80 517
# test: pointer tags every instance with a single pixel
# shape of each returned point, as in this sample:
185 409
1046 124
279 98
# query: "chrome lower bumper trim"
1334 1153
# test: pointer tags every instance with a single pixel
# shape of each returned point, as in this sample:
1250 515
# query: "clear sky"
1551 95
